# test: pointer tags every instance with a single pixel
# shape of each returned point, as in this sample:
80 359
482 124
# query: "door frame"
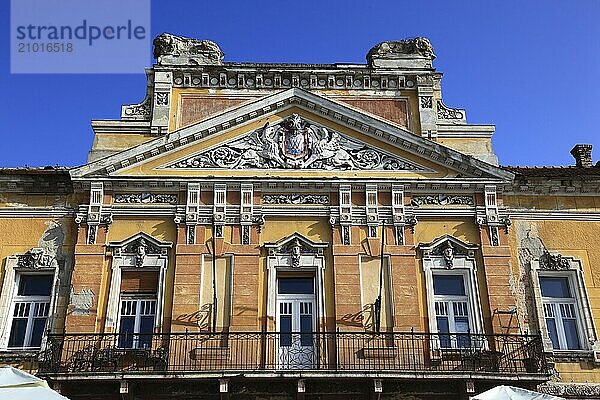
309 260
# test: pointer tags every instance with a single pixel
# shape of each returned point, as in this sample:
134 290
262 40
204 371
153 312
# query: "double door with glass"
296 323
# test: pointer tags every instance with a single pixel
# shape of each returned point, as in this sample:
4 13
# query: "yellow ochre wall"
578 239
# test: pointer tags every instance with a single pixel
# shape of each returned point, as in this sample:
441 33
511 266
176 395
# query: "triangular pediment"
289 134
437 246
296 143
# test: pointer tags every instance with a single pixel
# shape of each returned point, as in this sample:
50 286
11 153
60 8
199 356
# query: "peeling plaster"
530 246
82 302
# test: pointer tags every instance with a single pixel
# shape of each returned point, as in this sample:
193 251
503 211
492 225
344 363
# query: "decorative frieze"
295 199
295 143
442 200
576 390
146 198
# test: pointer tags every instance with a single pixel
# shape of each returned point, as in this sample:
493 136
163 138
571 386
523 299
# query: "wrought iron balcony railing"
271 351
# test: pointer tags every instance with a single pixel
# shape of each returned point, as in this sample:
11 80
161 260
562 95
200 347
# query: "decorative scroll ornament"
441 200
296 144
554 262
445 112
138 111
295 199
36 258
146 198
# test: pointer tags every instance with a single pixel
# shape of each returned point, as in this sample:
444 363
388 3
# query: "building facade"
278 231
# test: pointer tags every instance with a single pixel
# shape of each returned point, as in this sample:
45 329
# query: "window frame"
137 298
463 264
13 271
449 300
573 270
125 260
33 299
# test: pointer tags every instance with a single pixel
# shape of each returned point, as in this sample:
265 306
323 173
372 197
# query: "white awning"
19 385
513 393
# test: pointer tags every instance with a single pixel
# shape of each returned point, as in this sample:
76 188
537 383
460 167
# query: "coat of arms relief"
295 143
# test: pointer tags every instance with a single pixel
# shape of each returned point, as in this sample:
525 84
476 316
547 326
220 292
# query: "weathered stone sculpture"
416 52
177 50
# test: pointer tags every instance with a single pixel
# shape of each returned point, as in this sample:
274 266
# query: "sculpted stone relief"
133 198
295 199
296 144
419 46
172 49
441 199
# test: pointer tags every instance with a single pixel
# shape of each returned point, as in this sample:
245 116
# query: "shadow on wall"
358 319
162 230
316 229
464 231
200 318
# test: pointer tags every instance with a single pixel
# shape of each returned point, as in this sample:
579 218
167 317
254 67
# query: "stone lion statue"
178 50
418 46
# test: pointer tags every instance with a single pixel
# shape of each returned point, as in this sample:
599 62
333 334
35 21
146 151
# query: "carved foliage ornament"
554 262
36 258
296 144
295 199
441 199
146 198
575 390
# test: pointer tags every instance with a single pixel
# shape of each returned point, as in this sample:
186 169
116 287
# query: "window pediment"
448 252
141 250
294 249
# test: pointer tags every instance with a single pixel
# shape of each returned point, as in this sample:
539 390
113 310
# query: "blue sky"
532 68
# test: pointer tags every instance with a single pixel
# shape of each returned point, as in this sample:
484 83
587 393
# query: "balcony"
318 353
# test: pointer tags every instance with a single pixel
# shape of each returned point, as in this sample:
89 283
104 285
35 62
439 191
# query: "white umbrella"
513 393
18 385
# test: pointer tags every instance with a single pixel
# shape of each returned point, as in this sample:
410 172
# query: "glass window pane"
35 285
551 325
126 332
296 285
38 332
17 332
555 286
443 327
571 335
306 326
449 285
462 326
146 328
285 325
